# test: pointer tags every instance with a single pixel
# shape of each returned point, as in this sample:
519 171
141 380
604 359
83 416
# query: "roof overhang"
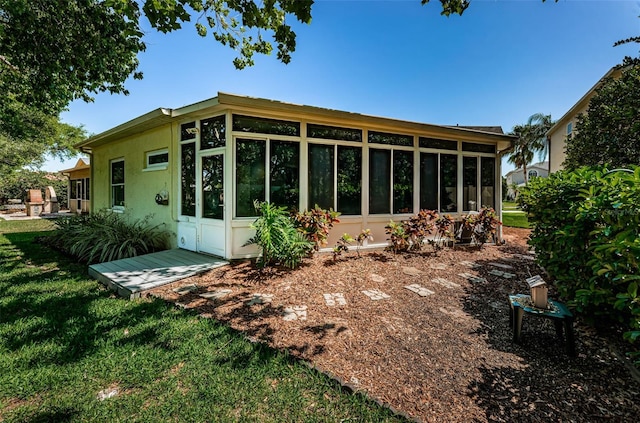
140 124
162 116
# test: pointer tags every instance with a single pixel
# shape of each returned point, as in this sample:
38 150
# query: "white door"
210 204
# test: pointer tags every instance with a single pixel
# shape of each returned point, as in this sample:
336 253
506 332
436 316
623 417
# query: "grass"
64 339
510 205
515 220
514 217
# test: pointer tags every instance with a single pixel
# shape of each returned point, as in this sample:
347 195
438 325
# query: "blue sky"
499 63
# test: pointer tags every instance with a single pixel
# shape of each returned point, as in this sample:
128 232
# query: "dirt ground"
444 357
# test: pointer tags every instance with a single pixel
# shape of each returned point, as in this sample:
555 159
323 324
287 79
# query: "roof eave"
140 124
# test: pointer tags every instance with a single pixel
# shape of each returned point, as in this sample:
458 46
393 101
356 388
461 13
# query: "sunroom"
227 152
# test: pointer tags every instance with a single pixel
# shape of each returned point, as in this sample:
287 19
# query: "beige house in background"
197 169
79 188
564 128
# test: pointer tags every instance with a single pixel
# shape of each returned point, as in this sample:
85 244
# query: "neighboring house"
79 186
565 127
516 176
199 168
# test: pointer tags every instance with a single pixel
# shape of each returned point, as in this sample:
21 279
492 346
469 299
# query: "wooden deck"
133 276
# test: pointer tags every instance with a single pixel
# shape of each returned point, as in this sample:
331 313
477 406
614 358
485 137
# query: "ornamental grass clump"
106 236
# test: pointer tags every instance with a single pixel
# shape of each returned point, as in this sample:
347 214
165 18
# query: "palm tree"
531 139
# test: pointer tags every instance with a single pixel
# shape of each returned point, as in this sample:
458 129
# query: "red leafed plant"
315 224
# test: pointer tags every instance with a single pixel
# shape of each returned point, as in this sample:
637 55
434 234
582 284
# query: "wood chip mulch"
443 357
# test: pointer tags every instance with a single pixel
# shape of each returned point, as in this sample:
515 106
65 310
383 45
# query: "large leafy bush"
587 236
105 236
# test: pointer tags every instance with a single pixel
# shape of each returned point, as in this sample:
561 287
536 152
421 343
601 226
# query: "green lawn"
509 205
64 339
515 220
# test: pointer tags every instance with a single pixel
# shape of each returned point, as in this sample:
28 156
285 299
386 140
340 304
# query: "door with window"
211 200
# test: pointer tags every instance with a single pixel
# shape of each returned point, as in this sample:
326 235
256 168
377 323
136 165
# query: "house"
565 127
199 168
79 189
515 178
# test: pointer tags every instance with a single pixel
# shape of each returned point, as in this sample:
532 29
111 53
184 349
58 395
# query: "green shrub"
278 238
105 236
586 231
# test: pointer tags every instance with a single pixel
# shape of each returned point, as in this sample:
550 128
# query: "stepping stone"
411 271
376 295
438 266
423 292
502 274
260 299
216 295
470 264
502 266
376 278
295 313
472 278
185 289
446 283
334 299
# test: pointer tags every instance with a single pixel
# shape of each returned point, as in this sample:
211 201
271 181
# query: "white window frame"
569 129
156 166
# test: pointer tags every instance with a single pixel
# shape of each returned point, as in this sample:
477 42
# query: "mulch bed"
448 356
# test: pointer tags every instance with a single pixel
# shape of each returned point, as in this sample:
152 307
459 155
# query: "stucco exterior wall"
558 139
141 184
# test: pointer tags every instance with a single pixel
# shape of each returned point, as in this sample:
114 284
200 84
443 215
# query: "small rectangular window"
212 132
333 133
265 126
188 131
390 139
438 144
569 128
478 148
157 159
117 183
